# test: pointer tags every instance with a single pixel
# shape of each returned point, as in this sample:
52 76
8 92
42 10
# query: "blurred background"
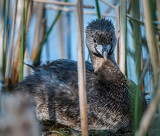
37 31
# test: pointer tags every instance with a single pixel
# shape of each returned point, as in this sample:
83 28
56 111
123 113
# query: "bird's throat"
98 61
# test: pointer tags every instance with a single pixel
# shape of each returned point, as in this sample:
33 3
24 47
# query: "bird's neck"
108 71
98 61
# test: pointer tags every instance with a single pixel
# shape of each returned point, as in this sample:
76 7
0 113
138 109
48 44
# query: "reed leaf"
137 41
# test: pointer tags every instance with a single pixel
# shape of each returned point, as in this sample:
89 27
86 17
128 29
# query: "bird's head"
100 38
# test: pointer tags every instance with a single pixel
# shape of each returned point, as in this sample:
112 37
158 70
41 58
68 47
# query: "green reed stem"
98 10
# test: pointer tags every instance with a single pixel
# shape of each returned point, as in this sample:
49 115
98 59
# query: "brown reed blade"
81 67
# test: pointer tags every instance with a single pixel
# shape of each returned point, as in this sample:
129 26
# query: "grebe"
54 86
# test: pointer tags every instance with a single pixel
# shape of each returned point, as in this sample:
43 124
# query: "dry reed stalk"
158 36
26 69
142 85
16 56
28 15
81 67
144 71
148 115
16 50
158 44
65 9
10 52
123 34
25 23
1 30
117 34
19 14
39 17
1 72
156 29
135 19
61 37
16 62
42 34
60 3
114 3
110 5
151 38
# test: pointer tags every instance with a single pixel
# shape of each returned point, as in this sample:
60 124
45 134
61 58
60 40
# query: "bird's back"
54 87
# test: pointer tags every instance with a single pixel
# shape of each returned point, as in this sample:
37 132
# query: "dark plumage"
54 86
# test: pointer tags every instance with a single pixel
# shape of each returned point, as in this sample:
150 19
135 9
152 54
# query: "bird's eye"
94 40
111 38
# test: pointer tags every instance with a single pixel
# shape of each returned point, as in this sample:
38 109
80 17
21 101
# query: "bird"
54 86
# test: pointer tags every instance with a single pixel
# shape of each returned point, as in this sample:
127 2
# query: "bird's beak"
105 51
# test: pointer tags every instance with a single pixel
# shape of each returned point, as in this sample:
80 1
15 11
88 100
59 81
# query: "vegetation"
138 45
